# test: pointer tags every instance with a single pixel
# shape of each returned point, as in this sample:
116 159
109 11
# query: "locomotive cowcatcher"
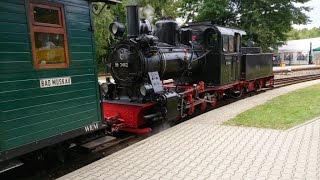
167 74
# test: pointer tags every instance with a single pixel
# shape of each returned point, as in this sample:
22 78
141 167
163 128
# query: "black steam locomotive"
167 75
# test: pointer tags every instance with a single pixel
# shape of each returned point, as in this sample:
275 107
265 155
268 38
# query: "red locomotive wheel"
191 110
214 102
204 106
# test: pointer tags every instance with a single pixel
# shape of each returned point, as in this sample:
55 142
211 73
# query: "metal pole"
310 54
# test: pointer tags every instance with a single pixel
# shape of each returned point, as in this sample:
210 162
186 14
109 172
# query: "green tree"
296 34
224 13
103 37
161 8
293 34
189 9
267 21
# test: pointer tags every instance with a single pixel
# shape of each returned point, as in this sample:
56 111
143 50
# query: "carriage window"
49 48
231 44
46 16
48 34
225 43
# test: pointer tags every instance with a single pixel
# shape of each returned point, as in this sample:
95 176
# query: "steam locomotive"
168 74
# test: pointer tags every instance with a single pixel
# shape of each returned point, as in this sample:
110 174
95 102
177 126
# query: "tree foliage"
103 37
266 21
161 8
219 11
305 33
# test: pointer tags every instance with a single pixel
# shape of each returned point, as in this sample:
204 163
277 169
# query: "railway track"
294 80
286 70
80 158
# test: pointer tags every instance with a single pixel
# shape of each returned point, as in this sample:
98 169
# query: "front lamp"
117 29
146 89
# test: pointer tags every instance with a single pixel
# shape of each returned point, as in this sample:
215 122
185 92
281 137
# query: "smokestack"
133 21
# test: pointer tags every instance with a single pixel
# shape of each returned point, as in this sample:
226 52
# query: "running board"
98 142
6 166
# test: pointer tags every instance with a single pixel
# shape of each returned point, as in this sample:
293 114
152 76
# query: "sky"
314 15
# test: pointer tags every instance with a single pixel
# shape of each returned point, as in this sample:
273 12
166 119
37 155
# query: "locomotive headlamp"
117 29
146 89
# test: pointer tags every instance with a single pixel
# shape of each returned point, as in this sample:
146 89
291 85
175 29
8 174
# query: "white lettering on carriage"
91 127
54 82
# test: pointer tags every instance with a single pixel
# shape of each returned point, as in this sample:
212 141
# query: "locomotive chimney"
133 21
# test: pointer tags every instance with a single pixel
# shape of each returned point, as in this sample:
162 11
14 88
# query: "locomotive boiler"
167 74
135 57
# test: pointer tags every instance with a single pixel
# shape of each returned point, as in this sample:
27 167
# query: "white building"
297 51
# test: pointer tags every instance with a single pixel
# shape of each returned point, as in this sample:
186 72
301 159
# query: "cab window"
237 45
225 43
231 44
197 37
228 43
212 39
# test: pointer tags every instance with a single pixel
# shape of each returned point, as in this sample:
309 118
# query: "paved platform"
203 148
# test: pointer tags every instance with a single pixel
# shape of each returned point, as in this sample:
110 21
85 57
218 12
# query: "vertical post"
310 54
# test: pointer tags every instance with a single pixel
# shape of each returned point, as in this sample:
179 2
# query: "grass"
283 112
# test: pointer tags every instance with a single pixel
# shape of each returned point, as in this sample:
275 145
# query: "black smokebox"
133 21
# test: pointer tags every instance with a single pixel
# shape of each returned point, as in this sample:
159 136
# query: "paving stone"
144 177
236 177
275 172
202 177
182 174
214 176
273 177
311 176
249 177
262 174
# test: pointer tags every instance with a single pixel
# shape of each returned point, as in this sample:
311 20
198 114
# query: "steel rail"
295 80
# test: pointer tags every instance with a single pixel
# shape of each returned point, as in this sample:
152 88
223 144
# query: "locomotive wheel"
214 102
237 94
191 110
203 106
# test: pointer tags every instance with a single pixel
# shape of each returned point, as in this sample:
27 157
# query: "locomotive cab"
224 45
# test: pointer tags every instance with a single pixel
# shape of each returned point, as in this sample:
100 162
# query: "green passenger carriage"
48 76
